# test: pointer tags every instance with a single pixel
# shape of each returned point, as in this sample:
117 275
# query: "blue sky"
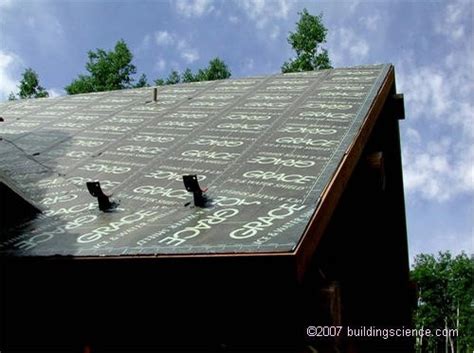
429 42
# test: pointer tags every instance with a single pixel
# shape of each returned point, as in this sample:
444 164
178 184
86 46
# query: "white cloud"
9 65
5 4
190 55
163 38
182 44
438 147
187 53
347 47
438 170
160 64
426 87
353 5
453 23
248 65
146 41
46 23
47 31
144 45
56 92
371 22
440 240
438 138
234 19
194 8
274 32
264 12
359 49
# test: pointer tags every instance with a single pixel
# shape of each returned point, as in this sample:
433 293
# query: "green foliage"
216 70
29 86
188 76
173 78
201 75
142 82
306 41
445 296
110 70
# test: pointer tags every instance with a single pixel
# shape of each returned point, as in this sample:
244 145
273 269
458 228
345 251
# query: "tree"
173 78
188 76
445 296
29 86
142 82
110 70
216 70
306 41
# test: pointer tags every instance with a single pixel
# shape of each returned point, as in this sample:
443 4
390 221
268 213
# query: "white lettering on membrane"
43 237
307 141
178 123
166 175
256 127
208 104
58 199
108 169
78 154
250 117
140 149
340 94
269 98
225 156
188 115
71 210
328 106
146 138
286 178
219 143
105 184
158 190
112 227
113 128
190 232
284 162
266 104
87 143
250 229
307 130
226 201
331 115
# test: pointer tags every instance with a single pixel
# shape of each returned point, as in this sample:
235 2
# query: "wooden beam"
334 189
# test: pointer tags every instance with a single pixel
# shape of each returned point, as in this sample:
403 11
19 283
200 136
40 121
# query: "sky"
431 44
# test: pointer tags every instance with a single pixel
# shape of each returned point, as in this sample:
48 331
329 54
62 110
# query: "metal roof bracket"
105 204
192 185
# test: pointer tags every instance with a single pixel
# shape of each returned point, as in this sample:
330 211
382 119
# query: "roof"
267 148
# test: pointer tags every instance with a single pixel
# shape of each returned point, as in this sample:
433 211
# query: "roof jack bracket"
105 204
192 185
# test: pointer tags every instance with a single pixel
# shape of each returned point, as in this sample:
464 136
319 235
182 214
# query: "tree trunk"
420 341
457 328
446 338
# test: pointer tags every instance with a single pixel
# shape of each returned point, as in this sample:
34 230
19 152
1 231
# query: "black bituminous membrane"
265 147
